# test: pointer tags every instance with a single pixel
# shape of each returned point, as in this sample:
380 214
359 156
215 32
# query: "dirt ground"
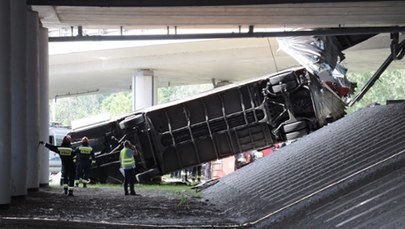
110 208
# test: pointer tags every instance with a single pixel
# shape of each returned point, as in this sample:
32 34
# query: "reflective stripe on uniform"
65 151
85 149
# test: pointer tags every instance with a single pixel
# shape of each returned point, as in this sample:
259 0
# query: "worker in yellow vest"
127 161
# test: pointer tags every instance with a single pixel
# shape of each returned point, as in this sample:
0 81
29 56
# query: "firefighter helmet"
85 140
67 139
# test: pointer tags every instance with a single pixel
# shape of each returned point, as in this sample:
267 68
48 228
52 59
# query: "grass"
183 203
182 190
163 186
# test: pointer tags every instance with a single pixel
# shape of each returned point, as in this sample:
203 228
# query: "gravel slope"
318 168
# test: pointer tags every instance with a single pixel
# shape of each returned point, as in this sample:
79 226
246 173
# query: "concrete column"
18 98
5 104
144 89
43 106
32 101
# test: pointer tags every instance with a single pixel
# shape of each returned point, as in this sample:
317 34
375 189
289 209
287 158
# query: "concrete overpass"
24 60
200 60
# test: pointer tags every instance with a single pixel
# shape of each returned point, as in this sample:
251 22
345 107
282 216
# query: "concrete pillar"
32 101
43 106
18 98
144 89
5 104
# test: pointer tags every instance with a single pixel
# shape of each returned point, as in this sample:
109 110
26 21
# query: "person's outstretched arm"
49 146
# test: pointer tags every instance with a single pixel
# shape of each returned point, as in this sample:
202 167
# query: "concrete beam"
32 98
296 33
19 101
5 103
157 3
43 106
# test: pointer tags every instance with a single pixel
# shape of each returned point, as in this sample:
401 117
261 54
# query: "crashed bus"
222 122
231 119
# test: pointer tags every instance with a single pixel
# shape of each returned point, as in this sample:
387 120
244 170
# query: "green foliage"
117 104
73 108
390 86
168 94
165 186
183 203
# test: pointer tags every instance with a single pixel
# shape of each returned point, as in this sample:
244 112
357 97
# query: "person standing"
127 161
66 154
86 158
208 171
196 173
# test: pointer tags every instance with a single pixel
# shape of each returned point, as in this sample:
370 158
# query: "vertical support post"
5 104
18 99
144 89
32 101
43 106
53 107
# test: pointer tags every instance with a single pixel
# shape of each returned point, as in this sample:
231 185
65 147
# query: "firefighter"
66 154
85 159
196 173
127 161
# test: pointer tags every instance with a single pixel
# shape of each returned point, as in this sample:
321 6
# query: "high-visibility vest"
85 149
127 162
65 151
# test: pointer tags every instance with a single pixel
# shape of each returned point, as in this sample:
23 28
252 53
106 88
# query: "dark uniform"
66 154
86 158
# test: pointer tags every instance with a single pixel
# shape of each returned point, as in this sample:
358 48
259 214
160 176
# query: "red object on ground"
223 167
267 151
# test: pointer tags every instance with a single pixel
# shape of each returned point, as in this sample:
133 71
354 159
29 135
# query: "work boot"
133 193
70 193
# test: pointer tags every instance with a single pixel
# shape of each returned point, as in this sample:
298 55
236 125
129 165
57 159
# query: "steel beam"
320 32
173 3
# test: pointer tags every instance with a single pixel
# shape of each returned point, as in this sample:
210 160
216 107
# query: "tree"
117 104
388 87
72 108
168 94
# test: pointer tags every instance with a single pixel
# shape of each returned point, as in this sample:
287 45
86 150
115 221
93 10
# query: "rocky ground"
108 207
